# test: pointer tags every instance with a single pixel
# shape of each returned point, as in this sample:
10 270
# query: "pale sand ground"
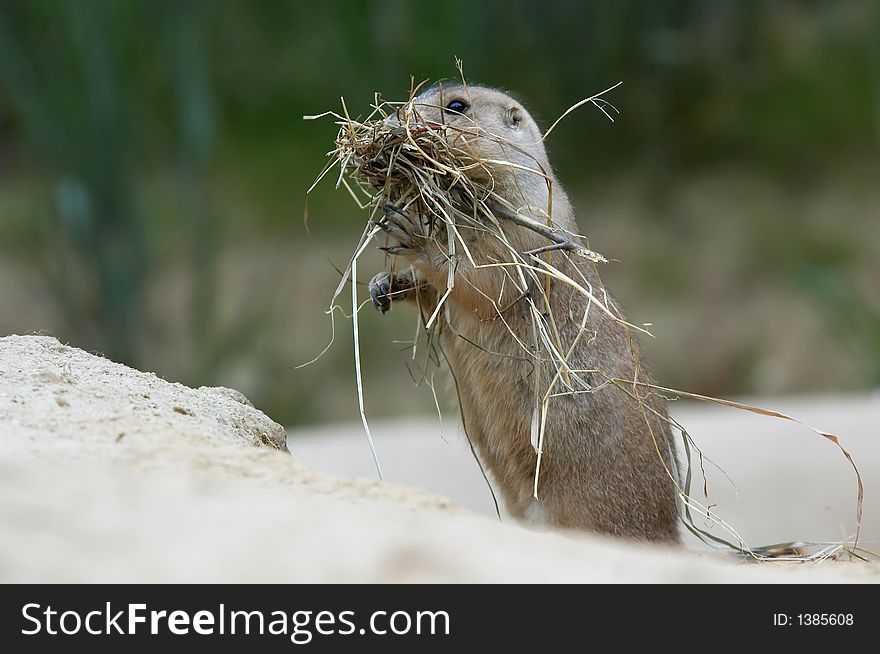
792 483
110 474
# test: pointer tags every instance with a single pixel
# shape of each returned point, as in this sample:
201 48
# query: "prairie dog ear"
513 117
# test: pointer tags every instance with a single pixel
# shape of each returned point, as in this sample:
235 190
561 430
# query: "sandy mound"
110 474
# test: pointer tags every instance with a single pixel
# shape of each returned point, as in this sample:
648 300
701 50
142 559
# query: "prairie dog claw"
386 287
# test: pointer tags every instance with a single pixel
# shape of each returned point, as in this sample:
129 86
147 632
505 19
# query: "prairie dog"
608 460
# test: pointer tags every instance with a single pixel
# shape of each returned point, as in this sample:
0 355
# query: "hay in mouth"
395 158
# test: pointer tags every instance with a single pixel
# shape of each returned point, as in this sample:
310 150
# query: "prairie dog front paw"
387 287
401 228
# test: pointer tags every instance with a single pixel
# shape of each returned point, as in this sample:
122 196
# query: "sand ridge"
111 474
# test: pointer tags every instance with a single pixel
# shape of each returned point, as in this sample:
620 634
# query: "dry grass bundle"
396 159
401 166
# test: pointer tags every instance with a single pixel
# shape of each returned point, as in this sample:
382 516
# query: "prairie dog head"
495 128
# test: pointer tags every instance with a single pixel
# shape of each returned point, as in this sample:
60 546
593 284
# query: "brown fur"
601 468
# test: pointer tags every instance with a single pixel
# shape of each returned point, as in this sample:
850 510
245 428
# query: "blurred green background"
154 163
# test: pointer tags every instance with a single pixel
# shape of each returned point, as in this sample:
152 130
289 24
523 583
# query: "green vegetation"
154 162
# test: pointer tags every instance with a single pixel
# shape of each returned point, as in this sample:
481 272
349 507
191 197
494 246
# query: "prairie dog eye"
458 106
